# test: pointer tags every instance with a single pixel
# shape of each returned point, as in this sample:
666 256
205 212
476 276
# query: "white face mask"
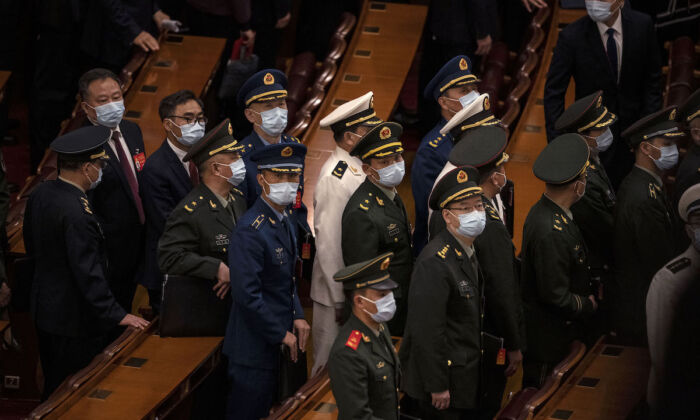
392 175
471 224
191 133
386 307
604 141
467 99
668 158
237 172
599 11
274 121
96 182
110 114
282 193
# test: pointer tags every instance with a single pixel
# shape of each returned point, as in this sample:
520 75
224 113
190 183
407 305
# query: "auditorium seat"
301 75
336 48
511 114
515 407
325 75
347 22
318 383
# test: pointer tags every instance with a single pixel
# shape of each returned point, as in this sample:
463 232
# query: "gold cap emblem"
385 133
385 264
268 79
463 64
672 116
230 129
462 177
487 103
286 152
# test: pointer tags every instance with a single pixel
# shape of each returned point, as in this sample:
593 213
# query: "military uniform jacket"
594 217
441 349
688 172
644 242
261 259
555 282
373 224
340 177
496 255
70 295
197 234
365 373
430 158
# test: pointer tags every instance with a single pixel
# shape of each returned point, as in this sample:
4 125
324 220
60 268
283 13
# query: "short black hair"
169 103
95 74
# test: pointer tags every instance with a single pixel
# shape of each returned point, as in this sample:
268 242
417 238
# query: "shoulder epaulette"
559 221
364 205
354 339
653 189
436 141
679 265
443 252
294 139
86 205
259 221
191 206
340 168
492 213
236 191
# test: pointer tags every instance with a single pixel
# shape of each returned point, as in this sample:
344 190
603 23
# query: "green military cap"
483 148
689 202
217 140
382 140
585 114
371 273
690 108
659 124
562 160
460 183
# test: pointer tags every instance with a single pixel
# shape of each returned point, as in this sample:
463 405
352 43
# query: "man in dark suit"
615 51
166 178
116 200
72 305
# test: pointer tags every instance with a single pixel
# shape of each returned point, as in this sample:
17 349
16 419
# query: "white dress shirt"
617 26
180 155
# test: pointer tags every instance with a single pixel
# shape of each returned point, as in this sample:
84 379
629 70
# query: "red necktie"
129 173
194 174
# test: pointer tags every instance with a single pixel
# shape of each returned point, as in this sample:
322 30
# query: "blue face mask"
392 175
274 121
604 140
467 99
668 158
110 114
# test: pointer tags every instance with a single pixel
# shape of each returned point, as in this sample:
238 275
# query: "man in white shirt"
340 176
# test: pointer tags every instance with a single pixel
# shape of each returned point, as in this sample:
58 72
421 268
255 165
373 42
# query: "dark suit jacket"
580 54
111 26
115 209
164 182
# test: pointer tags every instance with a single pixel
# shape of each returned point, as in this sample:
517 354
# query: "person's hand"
146 41
248 38
529 4
134 321
223 281
441 400
483 45
290 340
169 25
302 330
283 21
595 304
515 357
5 295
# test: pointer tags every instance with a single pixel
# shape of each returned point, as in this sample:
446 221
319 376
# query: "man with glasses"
555 285
167 178
374 220
441 351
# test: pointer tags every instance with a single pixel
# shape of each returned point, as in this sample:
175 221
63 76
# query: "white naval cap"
352 113
689 202
475 114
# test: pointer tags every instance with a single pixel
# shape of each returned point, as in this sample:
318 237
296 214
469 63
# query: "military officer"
484 149
441 351
72 306
266 313
594 211
454 87
197 232
688 172
363 365
340 176
672 322
645 225
374 220
555 286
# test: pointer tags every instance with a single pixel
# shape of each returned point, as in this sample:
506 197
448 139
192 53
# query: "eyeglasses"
478 206
189 120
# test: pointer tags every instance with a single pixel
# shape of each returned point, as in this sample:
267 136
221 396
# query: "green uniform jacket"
372 225
594 216
555 282
196 236
644 232
365 373
441 349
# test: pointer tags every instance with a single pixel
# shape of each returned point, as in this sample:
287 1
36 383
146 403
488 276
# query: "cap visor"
387 284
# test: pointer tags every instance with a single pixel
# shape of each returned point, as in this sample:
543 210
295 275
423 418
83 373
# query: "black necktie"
611 47
229 208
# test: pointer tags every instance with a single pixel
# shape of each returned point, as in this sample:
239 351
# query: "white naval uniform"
333 190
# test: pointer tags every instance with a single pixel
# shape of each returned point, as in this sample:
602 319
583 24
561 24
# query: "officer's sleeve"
246 258
494 251
661 305
349 384
360 238
329 254
82 246
427 314
178 249
652 228
560 71
552 270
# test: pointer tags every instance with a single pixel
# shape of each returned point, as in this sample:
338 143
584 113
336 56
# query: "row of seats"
308 81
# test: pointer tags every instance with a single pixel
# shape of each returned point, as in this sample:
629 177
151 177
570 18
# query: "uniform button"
449 363
384 377
396 239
